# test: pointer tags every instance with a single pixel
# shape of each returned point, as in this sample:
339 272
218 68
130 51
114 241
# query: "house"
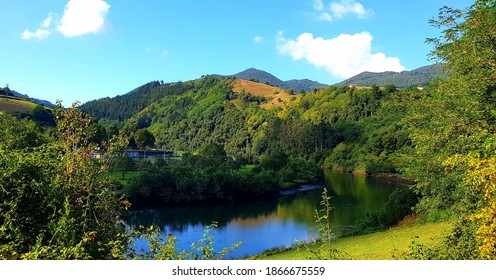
98 154
137 154
147 154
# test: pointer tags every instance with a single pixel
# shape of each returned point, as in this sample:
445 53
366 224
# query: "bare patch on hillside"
276 97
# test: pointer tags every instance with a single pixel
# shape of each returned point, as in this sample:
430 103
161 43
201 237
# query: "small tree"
124 164
144 138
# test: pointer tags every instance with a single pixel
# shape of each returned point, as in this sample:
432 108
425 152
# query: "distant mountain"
418 77
35 100
260 76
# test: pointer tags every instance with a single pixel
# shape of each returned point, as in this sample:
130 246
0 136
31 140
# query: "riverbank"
389 177
386 245
300 189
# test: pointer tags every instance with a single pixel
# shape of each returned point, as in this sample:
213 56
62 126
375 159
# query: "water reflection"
271 223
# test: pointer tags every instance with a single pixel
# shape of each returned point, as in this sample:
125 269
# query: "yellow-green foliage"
482 176
55 203
386 245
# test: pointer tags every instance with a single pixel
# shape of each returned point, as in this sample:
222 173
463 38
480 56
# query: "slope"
15 104
391 244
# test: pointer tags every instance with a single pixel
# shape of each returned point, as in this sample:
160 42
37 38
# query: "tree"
6 91
453 130
214 152
144 138
19 133
43 116
55 202
124 164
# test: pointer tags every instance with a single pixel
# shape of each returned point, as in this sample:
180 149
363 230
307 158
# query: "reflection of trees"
300 207
178 218
352 197
365 193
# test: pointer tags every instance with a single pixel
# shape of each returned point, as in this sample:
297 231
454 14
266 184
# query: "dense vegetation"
212 176
56 203
341 127
453 132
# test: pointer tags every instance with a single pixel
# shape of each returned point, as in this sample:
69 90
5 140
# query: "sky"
81 50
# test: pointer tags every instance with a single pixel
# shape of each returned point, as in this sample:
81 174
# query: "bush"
55 202
400 204
301 171
342 156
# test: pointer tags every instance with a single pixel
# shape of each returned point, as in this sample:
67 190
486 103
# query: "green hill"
123 107
418 77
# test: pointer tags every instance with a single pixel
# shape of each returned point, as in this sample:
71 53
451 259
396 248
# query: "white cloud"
164 53
80 17
257 39
39 34
83 17
324 17
48 21
318 5
338 10
343 56
345 7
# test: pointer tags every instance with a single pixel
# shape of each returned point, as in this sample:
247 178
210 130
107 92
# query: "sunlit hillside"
13 104
275 96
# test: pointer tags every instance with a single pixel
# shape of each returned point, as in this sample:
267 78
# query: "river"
277 222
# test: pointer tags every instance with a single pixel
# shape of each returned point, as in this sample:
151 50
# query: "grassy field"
117 175
386 245
247 168
13 104
275 96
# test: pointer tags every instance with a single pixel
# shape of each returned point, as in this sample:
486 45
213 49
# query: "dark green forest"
57 202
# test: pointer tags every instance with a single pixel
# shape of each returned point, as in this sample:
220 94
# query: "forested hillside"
341 127
124 106
418 77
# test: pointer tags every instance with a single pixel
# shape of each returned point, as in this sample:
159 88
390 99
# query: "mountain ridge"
122 107
43 102
417 77
257 75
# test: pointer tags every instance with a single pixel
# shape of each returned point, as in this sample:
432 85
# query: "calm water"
272 223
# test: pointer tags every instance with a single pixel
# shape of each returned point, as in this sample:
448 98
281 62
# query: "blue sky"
87 49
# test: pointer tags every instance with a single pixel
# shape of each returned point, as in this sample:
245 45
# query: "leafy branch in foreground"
54 201
322 219
163 247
